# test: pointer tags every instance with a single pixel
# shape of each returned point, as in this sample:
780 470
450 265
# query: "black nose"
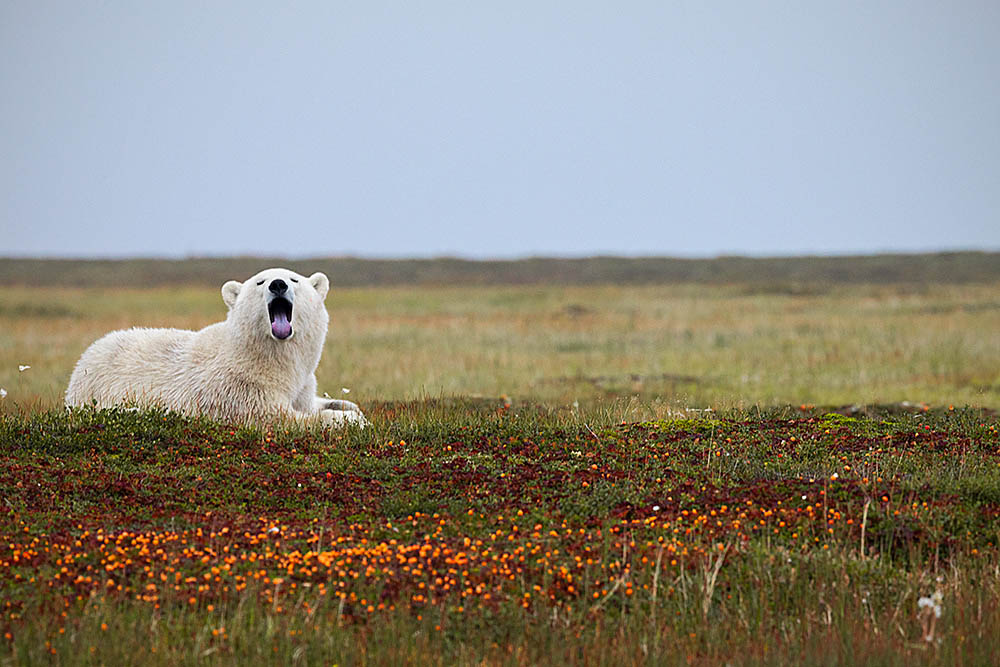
278 286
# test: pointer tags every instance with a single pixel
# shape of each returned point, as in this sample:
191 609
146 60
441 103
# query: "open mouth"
280 311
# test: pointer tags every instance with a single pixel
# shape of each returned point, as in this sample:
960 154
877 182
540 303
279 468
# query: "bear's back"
130 366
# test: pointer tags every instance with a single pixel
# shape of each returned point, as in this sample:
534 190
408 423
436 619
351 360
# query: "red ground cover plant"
510 512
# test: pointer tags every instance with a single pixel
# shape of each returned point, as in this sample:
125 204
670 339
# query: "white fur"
232 370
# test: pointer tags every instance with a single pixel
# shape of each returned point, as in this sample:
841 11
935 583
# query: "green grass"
467 532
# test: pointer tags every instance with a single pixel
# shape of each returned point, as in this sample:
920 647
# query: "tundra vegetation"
745 473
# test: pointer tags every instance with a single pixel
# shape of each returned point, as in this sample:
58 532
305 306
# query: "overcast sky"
498 129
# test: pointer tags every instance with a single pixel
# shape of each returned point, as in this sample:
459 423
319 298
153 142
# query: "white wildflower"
933 603
345 390
273 529
21 368
3 393
656 508
929 611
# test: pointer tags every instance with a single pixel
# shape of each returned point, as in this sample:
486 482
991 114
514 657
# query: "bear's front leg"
332 412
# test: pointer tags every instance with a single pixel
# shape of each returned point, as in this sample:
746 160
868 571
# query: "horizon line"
806 254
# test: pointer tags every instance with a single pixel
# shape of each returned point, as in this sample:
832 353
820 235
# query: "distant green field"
651 350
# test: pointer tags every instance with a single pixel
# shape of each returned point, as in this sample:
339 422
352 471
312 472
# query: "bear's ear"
230 291
321 283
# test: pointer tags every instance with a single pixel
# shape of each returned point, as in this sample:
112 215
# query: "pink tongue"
281 327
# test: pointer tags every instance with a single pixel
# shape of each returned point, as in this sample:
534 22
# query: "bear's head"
278 305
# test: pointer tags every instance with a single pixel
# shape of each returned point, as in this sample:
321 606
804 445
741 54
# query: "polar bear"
258 364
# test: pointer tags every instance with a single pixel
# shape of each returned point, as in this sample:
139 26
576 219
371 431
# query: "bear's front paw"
341 418
340 405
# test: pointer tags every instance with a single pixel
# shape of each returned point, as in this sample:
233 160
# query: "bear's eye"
293 280
260 283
